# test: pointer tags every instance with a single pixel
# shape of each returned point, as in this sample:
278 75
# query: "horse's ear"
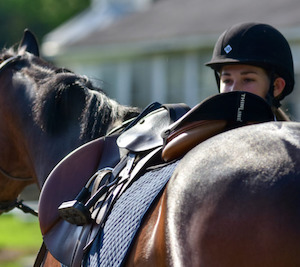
29 44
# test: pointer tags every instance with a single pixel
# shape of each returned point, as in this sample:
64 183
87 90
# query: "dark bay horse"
233 200
45 113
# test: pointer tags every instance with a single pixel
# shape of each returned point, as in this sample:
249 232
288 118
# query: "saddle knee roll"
190 135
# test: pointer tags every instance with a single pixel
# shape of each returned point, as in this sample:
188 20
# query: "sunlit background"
145 50
139 51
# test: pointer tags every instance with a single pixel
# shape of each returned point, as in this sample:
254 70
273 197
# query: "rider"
256 58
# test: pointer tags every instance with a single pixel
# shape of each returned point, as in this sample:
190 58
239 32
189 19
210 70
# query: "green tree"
40 16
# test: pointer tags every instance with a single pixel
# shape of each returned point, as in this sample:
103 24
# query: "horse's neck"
45 147
48 149
51 151
125 113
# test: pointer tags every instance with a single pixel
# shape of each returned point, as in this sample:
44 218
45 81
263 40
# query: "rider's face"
247 78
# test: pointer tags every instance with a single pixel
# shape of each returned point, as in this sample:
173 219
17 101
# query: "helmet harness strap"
273 101
217 75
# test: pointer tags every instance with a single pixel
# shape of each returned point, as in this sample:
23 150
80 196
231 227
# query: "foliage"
16 232
40 16
20 237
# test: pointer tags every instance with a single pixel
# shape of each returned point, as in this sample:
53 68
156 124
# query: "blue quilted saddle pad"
110 246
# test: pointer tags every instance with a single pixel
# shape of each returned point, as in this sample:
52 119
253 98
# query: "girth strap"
125 179
40 256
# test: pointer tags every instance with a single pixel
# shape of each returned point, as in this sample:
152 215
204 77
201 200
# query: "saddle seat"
214 115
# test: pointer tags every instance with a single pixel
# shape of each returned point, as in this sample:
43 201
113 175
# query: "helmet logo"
227 49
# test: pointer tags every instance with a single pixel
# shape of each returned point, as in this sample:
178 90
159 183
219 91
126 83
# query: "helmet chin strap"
273 101
217 76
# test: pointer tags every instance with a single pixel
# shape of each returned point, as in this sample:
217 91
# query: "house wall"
170 77
166 78
292 102
145 57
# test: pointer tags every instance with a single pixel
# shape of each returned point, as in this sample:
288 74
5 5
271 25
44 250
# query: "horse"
233 200
45 113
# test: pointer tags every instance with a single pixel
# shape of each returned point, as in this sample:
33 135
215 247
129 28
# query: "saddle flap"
66 242
71 175
146 132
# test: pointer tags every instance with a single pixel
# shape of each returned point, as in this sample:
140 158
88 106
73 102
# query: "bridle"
9 205
6 206
9 61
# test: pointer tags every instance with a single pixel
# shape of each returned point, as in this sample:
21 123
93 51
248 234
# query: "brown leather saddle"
160 132
142 138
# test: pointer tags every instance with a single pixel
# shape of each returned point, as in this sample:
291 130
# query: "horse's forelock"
7 53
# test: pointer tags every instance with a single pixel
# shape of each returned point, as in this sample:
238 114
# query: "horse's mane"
63 96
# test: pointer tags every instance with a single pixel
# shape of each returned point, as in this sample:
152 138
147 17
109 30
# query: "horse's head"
13 175
45 113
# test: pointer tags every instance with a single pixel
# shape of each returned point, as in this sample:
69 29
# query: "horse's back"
234 200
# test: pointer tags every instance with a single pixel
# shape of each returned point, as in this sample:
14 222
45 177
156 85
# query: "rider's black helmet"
255 44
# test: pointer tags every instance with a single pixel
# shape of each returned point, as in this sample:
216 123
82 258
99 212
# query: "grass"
20 240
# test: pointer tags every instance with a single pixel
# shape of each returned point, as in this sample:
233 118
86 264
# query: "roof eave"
128 49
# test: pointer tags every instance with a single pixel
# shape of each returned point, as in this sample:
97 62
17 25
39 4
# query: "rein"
9 205
21 179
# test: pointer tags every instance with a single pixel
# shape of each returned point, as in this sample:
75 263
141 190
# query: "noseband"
9 205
